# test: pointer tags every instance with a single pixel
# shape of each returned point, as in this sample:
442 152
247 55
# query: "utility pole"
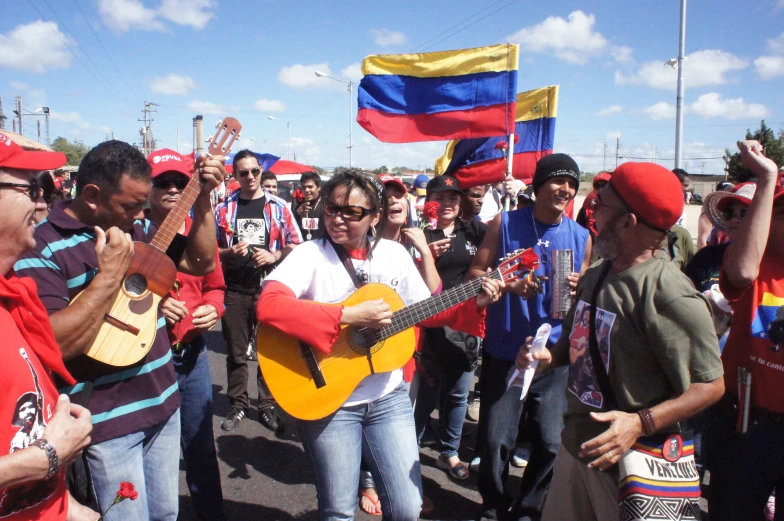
14 125
604 159
39 130
18 112
2 115
679 102
148 141
46 118
617 149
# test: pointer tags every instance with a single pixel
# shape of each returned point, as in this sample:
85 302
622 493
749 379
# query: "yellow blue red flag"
480 161
467 93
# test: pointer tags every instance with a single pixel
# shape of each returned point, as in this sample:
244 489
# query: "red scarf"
20 298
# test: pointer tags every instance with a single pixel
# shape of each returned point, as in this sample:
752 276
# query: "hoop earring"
460 213
373 231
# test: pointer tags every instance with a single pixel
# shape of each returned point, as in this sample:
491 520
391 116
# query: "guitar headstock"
226 133
517 264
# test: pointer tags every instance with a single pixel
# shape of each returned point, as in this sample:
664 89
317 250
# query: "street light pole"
350 113
288 145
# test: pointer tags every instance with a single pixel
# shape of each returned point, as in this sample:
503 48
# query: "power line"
102 47
469 25
458 24
72 51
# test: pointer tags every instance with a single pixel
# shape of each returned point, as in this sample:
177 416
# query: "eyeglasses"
164 183
729 215
348 213
244 173
597 203
32 188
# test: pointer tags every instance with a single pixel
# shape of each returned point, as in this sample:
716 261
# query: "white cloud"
701 69
353 72
124 15
106 129
266 105
208 107
622 55
712 105
388 38
608 111
659 111
769 67
304 76
35 47
72 119
573 40
18 85
776 45
173 84
610 136
192 13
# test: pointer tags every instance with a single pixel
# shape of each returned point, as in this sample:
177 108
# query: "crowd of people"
666 367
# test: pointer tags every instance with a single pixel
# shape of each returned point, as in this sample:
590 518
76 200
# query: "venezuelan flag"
765 315
478 161
468 93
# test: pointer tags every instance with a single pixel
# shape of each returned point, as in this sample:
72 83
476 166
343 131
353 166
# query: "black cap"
555 165
443 183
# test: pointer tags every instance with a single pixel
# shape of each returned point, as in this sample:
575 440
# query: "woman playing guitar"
376 421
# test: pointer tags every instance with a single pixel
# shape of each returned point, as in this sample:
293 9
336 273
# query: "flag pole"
509 162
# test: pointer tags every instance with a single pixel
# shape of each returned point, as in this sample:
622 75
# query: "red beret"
653 193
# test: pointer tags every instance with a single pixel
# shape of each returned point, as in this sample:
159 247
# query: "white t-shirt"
490 207
314 272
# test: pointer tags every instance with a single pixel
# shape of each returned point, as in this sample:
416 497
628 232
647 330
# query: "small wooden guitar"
129 328
310 385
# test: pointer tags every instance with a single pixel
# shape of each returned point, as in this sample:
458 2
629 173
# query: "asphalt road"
269 478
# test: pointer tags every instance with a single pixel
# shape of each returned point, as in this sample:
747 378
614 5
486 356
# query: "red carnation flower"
529 260
501 145
127 491
298 195
430 210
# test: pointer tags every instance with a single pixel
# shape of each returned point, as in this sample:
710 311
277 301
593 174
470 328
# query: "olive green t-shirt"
656 338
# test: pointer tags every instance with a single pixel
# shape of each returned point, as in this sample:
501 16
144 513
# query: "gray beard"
608 244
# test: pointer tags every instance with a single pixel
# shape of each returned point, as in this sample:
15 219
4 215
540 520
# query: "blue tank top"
512 319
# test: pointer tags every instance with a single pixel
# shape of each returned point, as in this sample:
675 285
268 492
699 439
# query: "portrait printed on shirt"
29 418
582 379
252 231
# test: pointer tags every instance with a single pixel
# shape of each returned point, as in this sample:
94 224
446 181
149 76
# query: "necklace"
545 256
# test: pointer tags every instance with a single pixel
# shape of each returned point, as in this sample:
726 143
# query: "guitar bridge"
119 324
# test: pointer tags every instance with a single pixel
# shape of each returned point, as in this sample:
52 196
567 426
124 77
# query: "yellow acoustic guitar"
310 385
129 328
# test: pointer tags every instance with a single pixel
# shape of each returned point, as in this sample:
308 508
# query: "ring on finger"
608 455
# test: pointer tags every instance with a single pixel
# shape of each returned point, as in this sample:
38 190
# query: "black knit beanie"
555 165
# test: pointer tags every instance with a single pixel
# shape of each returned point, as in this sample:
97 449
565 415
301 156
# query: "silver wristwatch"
54 461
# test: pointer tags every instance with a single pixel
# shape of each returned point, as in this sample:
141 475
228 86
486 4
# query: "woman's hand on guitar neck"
372 313
114 249
491 291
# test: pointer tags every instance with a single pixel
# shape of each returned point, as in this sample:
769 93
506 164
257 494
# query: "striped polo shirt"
125 400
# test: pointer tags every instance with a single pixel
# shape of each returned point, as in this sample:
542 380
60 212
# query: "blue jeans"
451 396
499 417
381 432
745 468
150 460
197 441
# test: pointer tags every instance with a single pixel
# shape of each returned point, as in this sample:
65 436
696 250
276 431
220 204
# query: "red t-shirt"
28 402
755 309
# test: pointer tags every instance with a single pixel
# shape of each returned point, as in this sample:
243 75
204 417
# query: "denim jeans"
499 417
150 460
197 441
745 468
383 433
450 394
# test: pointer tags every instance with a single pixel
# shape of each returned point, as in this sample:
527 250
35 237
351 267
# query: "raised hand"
753 158
114 249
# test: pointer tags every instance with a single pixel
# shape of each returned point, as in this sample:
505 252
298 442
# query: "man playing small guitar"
87 244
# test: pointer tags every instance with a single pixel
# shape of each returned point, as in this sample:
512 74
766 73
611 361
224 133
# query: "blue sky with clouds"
95 62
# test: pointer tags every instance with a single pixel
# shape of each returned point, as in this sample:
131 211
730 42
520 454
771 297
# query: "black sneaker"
269 418
233 419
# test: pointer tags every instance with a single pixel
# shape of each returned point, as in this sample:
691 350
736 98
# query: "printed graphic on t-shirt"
29 418
768 320
252 231
471 248
582 379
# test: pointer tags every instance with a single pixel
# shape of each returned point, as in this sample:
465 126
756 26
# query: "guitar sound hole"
136 284
361 339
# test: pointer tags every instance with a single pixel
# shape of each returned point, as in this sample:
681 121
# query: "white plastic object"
523 380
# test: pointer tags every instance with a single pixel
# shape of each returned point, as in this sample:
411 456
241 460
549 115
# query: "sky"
95 63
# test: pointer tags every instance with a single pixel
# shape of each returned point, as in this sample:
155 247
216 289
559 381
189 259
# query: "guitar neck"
171 225
416 313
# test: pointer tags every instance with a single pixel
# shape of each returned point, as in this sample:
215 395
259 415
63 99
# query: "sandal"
459 472
372 509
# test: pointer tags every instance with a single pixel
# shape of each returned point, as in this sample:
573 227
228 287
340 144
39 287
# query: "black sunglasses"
348 213
164 183
729 215
244 173
32 189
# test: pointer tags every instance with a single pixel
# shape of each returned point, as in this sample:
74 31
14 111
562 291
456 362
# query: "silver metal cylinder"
563 266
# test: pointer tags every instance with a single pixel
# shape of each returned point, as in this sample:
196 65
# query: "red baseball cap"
14 156
167 160
390 179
